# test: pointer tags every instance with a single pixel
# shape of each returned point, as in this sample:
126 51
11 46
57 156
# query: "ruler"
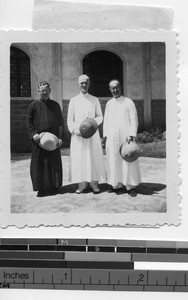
94 264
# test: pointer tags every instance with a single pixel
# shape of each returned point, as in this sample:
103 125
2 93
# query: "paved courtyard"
151 192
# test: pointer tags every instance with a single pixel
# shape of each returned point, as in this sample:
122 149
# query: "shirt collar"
84 95
119 98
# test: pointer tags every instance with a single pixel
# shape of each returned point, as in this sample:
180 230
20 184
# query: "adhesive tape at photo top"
48 141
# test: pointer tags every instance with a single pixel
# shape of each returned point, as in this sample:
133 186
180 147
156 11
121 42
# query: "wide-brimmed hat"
48 141
88 128
129 151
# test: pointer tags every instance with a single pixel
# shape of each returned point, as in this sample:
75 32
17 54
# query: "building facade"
140 67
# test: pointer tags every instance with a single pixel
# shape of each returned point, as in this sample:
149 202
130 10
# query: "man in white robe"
86 156
120 126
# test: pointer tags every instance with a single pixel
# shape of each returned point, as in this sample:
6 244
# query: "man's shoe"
79 191
132 193
42 193
119 191
48 192
95 190
53 190
116 191
110 190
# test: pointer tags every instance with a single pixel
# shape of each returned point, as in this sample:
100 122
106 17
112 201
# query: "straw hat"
88 128
48 141
129 151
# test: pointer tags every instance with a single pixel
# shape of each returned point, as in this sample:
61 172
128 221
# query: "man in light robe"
45 115
86 156
120 126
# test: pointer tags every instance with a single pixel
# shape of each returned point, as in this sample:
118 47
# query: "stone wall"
130 54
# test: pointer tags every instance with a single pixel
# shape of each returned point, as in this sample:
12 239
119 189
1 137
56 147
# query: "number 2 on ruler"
141 277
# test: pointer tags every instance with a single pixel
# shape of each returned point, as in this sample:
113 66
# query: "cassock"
120 122
46 166
86 156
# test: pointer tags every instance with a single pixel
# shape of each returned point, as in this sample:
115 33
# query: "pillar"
147 85
57 72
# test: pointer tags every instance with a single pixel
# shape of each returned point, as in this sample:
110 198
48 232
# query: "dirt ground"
151 192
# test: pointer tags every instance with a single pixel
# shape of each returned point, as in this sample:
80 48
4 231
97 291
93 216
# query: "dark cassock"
46 166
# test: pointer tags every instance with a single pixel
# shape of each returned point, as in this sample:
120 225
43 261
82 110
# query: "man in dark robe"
45 115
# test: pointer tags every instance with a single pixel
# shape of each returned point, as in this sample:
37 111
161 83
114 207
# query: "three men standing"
120 126
86 156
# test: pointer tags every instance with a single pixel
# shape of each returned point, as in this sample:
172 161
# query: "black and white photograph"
93 149
91 127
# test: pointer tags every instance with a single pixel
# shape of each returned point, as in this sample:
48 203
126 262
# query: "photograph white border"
172 216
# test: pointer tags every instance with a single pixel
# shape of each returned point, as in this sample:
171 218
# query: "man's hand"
60 142
103 142
131 139
76 131
36 138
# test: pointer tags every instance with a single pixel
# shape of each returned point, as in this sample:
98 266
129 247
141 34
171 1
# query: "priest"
120 126
45 115
86 156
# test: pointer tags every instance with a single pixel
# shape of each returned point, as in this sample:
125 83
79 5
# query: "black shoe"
132 193
48 192
117 191
110 189
42 193
54 190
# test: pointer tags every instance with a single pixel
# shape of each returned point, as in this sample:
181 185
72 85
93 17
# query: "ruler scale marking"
18 264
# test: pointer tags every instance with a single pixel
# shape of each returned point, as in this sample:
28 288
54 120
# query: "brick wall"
20 141
140 111
158 109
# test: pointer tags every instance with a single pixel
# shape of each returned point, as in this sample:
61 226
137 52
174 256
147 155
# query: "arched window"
102 66
20 82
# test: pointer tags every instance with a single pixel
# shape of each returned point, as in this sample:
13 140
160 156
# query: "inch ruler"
94 264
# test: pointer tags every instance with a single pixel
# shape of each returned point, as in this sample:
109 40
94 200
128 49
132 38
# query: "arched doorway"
102 66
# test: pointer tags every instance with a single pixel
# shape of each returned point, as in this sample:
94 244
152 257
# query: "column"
57 72
147 85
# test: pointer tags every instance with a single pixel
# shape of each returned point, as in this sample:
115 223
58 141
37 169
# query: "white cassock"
120 122
86 155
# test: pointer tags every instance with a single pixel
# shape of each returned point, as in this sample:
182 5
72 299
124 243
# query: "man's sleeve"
70 117
61 124
105 123
30 117
133 119
98 113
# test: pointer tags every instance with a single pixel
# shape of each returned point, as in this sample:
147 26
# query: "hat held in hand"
129 151
88 128
48 141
